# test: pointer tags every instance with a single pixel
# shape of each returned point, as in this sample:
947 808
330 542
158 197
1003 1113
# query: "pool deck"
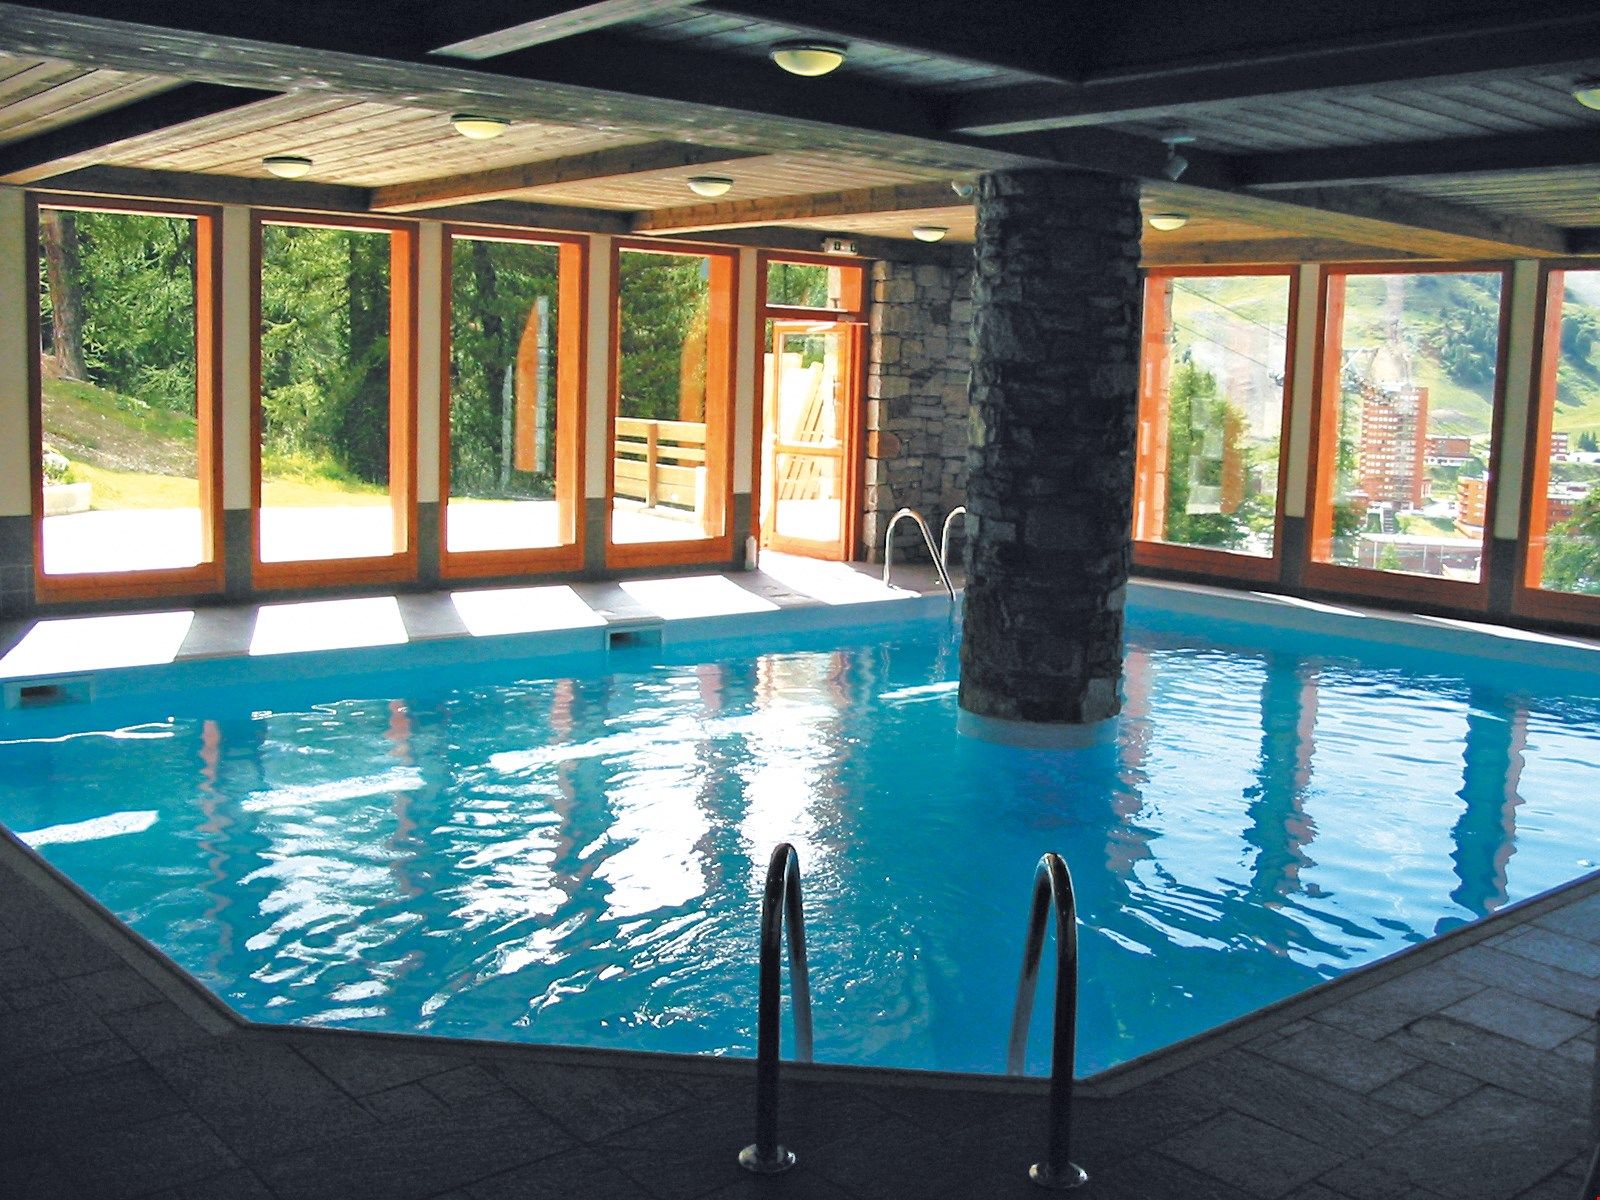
1462 1068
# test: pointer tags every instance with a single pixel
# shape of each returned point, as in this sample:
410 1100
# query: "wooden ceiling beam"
1378 217
1163 92
775 210
499 182
1344 166
508 25
1265 252
61 149
809 241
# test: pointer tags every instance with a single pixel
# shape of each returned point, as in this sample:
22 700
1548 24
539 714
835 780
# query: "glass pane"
808 497
324 394
808 285
503 323
1414 412
810 394
1211 415
1571 527
121 443
668 422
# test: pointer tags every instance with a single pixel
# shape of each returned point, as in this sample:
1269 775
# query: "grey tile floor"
1462 1070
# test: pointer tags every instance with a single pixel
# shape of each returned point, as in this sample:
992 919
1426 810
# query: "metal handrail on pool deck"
944 535
927 540
1052 888
780 905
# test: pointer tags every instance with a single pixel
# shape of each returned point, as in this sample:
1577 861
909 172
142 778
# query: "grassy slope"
138 456
1454 408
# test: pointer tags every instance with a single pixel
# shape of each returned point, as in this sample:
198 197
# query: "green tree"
1587 444
1572 552
1195 409
664 301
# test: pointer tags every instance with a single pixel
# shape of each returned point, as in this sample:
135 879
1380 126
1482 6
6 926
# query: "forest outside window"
335 376
672 397
1212 371
514 395
125 435
1408 405
1563 525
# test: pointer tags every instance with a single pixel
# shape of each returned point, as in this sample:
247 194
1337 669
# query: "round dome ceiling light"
710 185
1168 221
1587 93
287 166
479 127
808 58
929 233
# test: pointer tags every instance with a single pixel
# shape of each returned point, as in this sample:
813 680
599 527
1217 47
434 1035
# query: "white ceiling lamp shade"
1587 93
1166 222
808 57
287 166
479 127
929 233
710 186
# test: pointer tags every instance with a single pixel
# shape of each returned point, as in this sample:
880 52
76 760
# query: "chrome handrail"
927 539
944 535
780 905
1052 888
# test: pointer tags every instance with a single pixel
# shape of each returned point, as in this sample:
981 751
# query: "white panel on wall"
431 319
236 340
747 351
1297 461
597 400
1521 373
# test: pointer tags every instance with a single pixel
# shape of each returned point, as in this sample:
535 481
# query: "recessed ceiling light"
929 233
478 127
1587 93
710 185
807 57
1168 221
287 166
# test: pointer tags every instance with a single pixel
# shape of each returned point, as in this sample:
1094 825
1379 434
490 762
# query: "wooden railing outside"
661 463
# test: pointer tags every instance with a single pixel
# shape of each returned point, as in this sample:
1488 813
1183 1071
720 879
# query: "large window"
1215 357
514 402
336 379
672 403
1405 435
1563 478
125 436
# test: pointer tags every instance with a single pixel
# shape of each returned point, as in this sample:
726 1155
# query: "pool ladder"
780 906
940 557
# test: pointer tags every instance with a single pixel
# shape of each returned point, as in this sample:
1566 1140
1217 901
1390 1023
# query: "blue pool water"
572 850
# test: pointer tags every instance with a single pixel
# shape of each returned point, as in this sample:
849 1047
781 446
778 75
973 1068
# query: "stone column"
1054 402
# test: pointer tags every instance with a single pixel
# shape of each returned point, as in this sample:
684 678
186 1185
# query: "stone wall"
919 365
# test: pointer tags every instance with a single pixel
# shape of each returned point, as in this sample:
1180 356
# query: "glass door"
810 403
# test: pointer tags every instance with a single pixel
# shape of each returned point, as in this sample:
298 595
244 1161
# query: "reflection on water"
579 859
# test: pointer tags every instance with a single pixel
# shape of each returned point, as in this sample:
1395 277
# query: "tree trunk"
58 240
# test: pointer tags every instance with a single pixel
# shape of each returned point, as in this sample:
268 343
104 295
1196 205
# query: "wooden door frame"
208 575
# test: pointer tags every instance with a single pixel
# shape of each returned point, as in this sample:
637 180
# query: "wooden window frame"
853 314
401 565
1528 597
1206 560
725 297
1424 590
207 576
572 374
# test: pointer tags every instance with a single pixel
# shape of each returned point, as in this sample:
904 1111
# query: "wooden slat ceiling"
714 31
754 178
351 142
1385 114
1570 198
40 94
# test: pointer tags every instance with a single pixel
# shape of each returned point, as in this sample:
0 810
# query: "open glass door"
810 400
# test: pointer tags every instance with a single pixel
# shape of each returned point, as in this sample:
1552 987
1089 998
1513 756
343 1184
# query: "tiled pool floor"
1459 1070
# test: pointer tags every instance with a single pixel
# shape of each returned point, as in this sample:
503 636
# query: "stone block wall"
919 363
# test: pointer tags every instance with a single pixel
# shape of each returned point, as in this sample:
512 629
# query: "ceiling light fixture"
478 127
710 185
1168 221
1587 93
963 188
1177 164
928 233
807 57
287 166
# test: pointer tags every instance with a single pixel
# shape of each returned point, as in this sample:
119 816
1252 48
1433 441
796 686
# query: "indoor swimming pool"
571 849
